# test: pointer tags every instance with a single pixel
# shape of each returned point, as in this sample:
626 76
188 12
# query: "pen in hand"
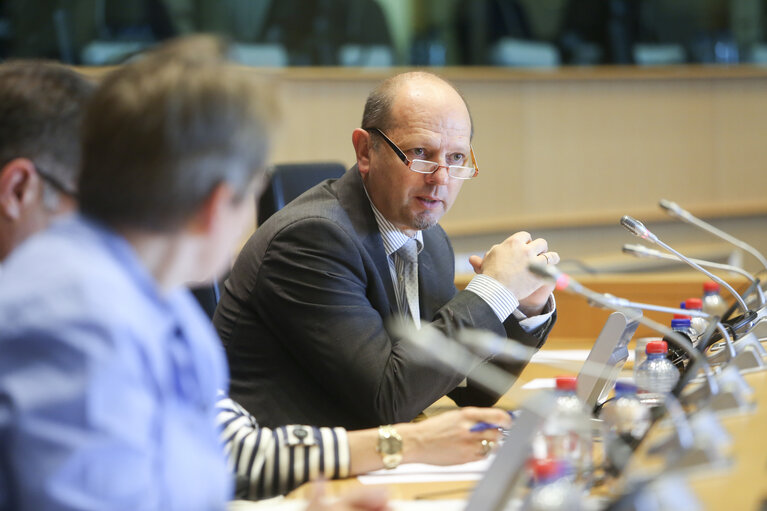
484 426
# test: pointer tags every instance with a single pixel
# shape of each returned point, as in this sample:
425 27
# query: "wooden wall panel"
568 148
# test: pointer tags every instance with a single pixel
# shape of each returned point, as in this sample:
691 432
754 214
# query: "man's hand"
507 263
447 439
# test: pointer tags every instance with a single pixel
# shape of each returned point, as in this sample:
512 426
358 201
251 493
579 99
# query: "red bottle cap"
567 382
656 347
694 303
545 469
710 286
682 316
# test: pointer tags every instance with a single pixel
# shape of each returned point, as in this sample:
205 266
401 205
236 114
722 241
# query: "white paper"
543 356
282 504
423 473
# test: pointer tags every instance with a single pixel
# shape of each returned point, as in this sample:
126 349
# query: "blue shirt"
107 386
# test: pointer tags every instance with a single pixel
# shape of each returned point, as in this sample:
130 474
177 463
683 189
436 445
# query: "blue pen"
484 426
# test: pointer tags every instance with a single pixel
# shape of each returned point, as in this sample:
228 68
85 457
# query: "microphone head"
671 207
637 228
635 250
549 273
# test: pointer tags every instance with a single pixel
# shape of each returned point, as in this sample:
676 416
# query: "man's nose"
439 176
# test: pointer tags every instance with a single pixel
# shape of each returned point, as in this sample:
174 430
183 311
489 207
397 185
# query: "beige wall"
564 153
570 146
567 152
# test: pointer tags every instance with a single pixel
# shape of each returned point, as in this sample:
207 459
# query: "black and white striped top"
269 462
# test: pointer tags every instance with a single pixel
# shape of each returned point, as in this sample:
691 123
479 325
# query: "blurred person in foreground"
69 450
109 372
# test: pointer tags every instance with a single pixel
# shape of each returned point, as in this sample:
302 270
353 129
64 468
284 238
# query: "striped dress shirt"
501 300
270 462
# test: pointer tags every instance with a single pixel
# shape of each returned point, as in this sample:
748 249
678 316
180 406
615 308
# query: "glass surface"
536 33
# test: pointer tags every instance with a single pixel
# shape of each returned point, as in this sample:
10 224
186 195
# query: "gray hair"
163 131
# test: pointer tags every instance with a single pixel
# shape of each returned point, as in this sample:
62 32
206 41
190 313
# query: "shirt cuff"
496 295
504 303
533 322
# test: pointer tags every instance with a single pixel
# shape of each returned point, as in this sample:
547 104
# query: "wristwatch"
389 446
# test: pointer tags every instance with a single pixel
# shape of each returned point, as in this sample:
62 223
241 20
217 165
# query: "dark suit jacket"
303 318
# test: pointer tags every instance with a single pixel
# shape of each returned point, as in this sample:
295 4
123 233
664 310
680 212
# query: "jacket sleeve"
316 287
474 394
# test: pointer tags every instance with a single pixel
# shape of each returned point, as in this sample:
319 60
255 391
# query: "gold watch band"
389 446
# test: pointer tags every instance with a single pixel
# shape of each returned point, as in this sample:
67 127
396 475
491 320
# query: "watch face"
390 445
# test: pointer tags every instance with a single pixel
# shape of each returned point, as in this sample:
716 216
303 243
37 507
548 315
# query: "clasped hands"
507 263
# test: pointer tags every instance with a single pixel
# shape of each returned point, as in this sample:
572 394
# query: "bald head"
380 104
422 118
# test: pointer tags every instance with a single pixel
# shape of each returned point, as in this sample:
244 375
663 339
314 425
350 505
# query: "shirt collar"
392 237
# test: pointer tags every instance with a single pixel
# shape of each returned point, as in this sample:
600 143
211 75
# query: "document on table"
282 504
423 473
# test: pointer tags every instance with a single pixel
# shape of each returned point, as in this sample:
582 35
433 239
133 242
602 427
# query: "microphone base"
735 394
760 329
749 354
710 442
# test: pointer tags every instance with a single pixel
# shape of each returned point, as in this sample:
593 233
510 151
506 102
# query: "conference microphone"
643 251
460 354
673 209
637 228
564 282
735 393
623 302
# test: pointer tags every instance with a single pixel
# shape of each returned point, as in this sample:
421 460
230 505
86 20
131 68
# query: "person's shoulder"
56 279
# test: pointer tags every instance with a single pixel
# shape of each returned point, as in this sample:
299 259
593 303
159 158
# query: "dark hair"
41 108
163 131
377 112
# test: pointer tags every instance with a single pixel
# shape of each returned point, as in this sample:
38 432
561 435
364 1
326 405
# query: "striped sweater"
269 462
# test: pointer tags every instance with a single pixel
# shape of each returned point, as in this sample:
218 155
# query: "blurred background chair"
288 181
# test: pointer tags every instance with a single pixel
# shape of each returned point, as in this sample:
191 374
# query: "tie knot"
409 251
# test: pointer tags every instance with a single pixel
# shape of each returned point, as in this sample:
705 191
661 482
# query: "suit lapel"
351 195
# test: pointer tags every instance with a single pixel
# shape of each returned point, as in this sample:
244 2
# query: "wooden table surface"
741 485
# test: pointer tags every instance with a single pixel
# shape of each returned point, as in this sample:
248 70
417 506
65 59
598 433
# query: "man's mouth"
428 201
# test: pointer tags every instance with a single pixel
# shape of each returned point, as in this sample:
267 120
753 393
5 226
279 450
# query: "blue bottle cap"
680 323
624 387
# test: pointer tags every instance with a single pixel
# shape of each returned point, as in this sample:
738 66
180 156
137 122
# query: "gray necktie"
407 273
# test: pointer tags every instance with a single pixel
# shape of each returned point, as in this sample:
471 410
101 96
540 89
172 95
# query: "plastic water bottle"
713 303
566 434
681 325
699 325
552 490
626 421
656 376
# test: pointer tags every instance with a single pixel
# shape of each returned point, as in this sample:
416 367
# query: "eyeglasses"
430 167
55 182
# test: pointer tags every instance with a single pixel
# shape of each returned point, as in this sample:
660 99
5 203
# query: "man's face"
429 121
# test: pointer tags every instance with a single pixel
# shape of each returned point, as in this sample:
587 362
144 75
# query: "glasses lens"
461 172
426 167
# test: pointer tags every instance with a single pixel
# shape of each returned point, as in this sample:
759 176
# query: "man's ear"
19 187
362 146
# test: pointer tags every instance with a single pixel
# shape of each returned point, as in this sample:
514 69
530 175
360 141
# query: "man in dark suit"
306 313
